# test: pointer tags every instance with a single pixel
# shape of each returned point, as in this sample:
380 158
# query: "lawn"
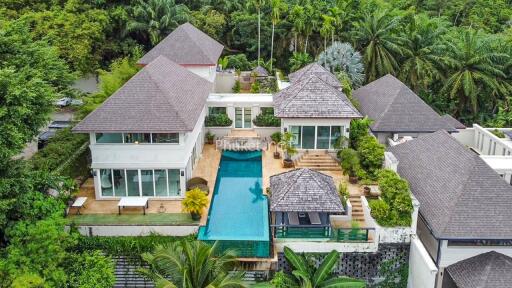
133 219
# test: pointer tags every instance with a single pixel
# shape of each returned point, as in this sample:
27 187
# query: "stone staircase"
321 161
357 208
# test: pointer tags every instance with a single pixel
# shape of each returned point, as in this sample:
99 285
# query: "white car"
63 102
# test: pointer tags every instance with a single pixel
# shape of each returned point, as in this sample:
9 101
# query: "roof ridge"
302 84
343 97
288 187
384 112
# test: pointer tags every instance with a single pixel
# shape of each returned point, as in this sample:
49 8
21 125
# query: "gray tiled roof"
453 122
396 108
313 98
186 45
487 270
162 97
460 195
317 70
260 71
304 190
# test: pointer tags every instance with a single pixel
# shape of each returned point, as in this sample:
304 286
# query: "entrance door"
243 117
308 137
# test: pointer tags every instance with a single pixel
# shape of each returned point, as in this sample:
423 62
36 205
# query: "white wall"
453 254
224 82
311 246
206 71
135 230
422 270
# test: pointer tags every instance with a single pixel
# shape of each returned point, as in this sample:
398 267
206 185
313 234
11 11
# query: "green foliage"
305 274
237 87
394 273
255 87
110 81
90 270
350 163
125 245
266 120
276 137
217 120
498 133
343 192
395 207
191 264
299 60
239 62
287 144
195 201
210 21
342 57
371 153
358 128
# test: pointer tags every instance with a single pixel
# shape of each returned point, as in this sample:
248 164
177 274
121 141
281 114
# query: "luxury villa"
147 142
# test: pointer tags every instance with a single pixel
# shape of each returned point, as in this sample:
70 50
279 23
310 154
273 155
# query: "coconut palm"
258 4
191 264
156 18
278 6
341 57
423 60
381 46
475 68
327 29
298 18
305 274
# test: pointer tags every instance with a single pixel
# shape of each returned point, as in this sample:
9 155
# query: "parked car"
44 137
63 102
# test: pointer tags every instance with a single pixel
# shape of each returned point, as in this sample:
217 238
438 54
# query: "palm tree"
305 274
258 4
476 67
298 19
342 57
278 6
156 18
381 46
191 264
424 60
327 29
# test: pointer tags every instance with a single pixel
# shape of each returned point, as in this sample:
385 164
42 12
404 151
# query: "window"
267 110
336 132
160 183
144 182
297 135
119 183
238 117
247 117
109 137
174 182
168 138
322 137
243 117
137 138
216 110
132 179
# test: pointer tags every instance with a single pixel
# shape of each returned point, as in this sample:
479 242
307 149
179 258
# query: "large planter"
287 163
352 179
195 216
277 155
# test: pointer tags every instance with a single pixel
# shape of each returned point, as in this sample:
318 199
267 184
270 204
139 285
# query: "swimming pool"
238 215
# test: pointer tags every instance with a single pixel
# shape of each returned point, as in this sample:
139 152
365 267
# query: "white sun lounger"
79 203
314 218
293 218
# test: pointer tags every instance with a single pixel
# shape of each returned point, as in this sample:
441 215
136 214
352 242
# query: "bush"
195 201
217 120
266 120
343 193
350 162
395 207
237 87
238 62
276 137
91 270
371 153
255 87
498 133
358 128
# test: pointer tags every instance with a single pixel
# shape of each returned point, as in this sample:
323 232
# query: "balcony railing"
325 232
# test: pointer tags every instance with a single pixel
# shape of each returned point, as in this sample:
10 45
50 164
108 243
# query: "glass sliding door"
247 117
308 137
107 189
322 137
174 182
239 118
336 132
160 183
119 183
132 179
297 135
146 179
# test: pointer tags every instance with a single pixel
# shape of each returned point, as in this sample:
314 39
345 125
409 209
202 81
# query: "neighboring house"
487 270
317 70
189 47
145 138
397 111
464 204
314 111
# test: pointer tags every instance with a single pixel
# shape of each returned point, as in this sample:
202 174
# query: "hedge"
218 120
266 120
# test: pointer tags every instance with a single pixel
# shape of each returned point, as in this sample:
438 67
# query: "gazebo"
301 202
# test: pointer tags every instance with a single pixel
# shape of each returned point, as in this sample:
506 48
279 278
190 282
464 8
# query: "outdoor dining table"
133 202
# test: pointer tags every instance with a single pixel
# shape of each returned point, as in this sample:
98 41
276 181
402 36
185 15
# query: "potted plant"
288 148
276 138
194 203
210 137
350 164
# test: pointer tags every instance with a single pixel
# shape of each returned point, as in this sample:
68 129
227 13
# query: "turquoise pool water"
238 215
